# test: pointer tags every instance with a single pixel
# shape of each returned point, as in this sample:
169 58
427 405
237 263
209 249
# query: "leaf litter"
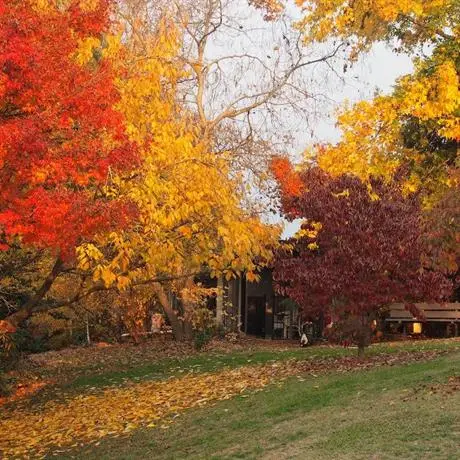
116 411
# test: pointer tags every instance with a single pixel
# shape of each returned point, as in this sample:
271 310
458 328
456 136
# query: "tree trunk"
88 336
176 324
188 330
364 335
220 302
361 349
188 307
28 308
182 328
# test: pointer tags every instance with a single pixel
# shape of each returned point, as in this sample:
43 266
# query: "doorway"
256 316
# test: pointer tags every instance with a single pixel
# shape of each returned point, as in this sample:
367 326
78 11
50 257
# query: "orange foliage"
60 134
24 390
288 179
6 327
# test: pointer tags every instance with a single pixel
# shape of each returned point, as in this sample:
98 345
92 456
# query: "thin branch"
101 288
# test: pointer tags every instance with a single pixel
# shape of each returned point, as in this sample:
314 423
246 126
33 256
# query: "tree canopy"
134 152
359 249
60 133
108 169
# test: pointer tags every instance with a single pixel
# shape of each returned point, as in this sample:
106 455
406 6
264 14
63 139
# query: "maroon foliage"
366 254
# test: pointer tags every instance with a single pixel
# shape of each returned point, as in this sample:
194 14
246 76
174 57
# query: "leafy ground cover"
107 365
143 404
405 411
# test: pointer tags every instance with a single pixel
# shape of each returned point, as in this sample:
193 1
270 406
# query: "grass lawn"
212 362
406 411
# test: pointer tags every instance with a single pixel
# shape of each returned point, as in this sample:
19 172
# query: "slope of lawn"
410 411
318 402
107 374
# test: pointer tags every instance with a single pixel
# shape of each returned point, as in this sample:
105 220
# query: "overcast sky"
376 71
327 87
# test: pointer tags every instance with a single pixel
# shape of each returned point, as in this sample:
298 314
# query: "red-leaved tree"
60 135
359 249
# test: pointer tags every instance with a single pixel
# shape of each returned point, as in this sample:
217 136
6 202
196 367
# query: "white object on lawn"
303 340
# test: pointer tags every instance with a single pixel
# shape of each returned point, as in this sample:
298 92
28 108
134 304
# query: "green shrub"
27 343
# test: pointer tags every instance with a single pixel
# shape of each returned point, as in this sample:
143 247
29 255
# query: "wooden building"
260 311
440 320
257 310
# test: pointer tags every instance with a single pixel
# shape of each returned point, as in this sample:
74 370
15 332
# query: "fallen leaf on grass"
95 414
24 390
439 389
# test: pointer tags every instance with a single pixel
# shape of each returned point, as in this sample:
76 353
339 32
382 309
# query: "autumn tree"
250 83
359 249
416 127
190 215
198 226
178 76
60 134
188 218
150 83
375 133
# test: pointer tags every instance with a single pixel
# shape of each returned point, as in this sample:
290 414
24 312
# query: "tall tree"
375 132
209 228
60 135
250 83
190 215
358 250
415 128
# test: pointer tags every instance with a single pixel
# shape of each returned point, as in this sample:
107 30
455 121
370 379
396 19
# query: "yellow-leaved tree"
414 131
189 216
381 134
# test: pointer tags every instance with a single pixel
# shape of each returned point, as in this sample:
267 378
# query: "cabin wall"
253 303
